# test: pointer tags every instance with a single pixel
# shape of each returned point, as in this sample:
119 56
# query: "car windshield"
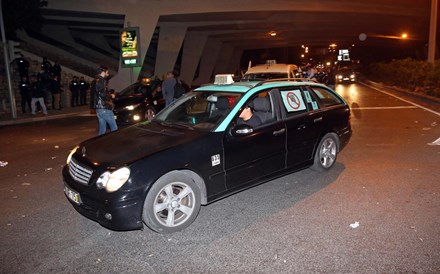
135 89
263 76
201 110
345 71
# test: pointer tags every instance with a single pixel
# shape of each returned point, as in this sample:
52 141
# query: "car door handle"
278 132
316 120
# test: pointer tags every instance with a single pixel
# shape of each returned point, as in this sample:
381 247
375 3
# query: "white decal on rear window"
293 100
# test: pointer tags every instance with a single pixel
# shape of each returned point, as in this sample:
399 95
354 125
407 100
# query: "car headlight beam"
112 181
131 107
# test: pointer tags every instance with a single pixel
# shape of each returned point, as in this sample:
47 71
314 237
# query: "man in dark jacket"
56 89
83 88
102 102
74 89
25 92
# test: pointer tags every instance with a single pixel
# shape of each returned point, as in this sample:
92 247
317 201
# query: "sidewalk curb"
44 118
398 89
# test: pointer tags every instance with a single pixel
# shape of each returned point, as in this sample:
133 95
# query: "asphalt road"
385 184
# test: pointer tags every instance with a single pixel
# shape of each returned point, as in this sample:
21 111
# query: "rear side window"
325 97
293 102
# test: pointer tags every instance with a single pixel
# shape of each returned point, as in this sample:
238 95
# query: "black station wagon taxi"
196 151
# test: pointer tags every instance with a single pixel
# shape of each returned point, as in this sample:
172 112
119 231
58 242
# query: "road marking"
435 143
404 100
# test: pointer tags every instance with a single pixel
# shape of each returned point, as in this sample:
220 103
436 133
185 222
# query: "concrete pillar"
207 62
235 62
191 54
223 60
171 36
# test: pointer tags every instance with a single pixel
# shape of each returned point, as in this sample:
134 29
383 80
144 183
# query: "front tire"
326 153
150 112
172 203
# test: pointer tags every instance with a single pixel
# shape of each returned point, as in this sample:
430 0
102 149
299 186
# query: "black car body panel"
219 161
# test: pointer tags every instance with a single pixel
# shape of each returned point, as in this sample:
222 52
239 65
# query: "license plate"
72 195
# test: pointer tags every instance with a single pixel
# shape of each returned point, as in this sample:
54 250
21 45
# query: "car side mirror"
241 130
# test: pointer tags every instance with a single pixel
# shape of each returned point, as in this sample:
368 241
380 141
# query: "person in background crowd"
322 76
56 70
37 95
331 77
25 92
74 89
45 80
168 88
83 88
23 66
46 66
311 73
102 102
56 89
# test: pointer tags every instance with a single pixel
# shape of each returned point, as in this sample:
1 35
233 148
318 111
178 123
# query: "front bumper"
117 211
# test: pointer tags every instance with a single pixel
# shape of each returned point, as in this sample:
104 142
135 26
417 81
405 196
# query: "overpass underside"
203 38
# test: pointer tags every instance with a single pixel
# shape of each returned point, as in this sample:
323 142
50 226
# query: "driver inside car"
247 117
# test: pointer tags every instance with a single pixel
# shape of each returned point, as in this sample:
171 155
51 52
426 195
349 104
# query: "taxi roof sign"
223 79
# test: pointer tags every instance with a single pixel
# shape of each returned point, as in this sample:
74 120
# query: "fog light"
108 216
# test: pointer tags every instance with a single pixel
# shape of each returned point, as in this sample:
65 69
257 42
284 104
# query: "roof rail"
285 79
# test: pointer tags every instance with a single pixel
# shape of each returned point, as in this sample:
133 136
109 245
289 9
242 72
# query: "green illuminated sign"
130 47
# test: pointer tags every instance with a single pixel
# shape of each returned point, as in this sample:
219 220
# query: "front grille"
79 173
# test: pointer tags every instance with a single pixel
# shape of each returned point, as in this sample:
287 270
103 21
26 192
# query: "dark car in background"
138 102
346 75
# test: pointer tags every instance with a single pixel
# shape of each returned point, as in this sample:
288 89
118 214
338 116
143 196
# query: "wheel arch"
196 178
332 133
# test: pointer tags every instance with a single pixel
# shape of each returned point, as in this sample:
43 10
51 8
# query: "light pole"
8 73
432 31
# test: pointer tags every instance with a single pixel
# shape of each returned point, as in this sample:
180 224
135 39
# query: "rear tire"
172 203
326 153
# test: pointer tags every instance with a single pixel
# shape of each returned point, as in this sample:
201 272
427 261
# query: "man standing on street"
102 102
74 89
83 88
168 88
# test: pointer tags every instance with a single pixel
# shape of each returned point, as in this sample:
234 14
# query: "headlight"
339 76
71 153
131 107
352 76
112 181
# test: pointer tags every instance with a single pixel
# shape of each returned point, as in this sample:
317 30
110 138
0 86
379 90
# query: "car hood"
125 146
128 100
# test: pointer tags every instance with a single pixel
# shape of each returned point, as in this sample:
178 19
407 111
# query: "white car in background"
271 70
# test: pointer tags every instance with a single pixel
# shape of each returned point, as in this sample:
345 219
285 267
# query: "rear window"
325 97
